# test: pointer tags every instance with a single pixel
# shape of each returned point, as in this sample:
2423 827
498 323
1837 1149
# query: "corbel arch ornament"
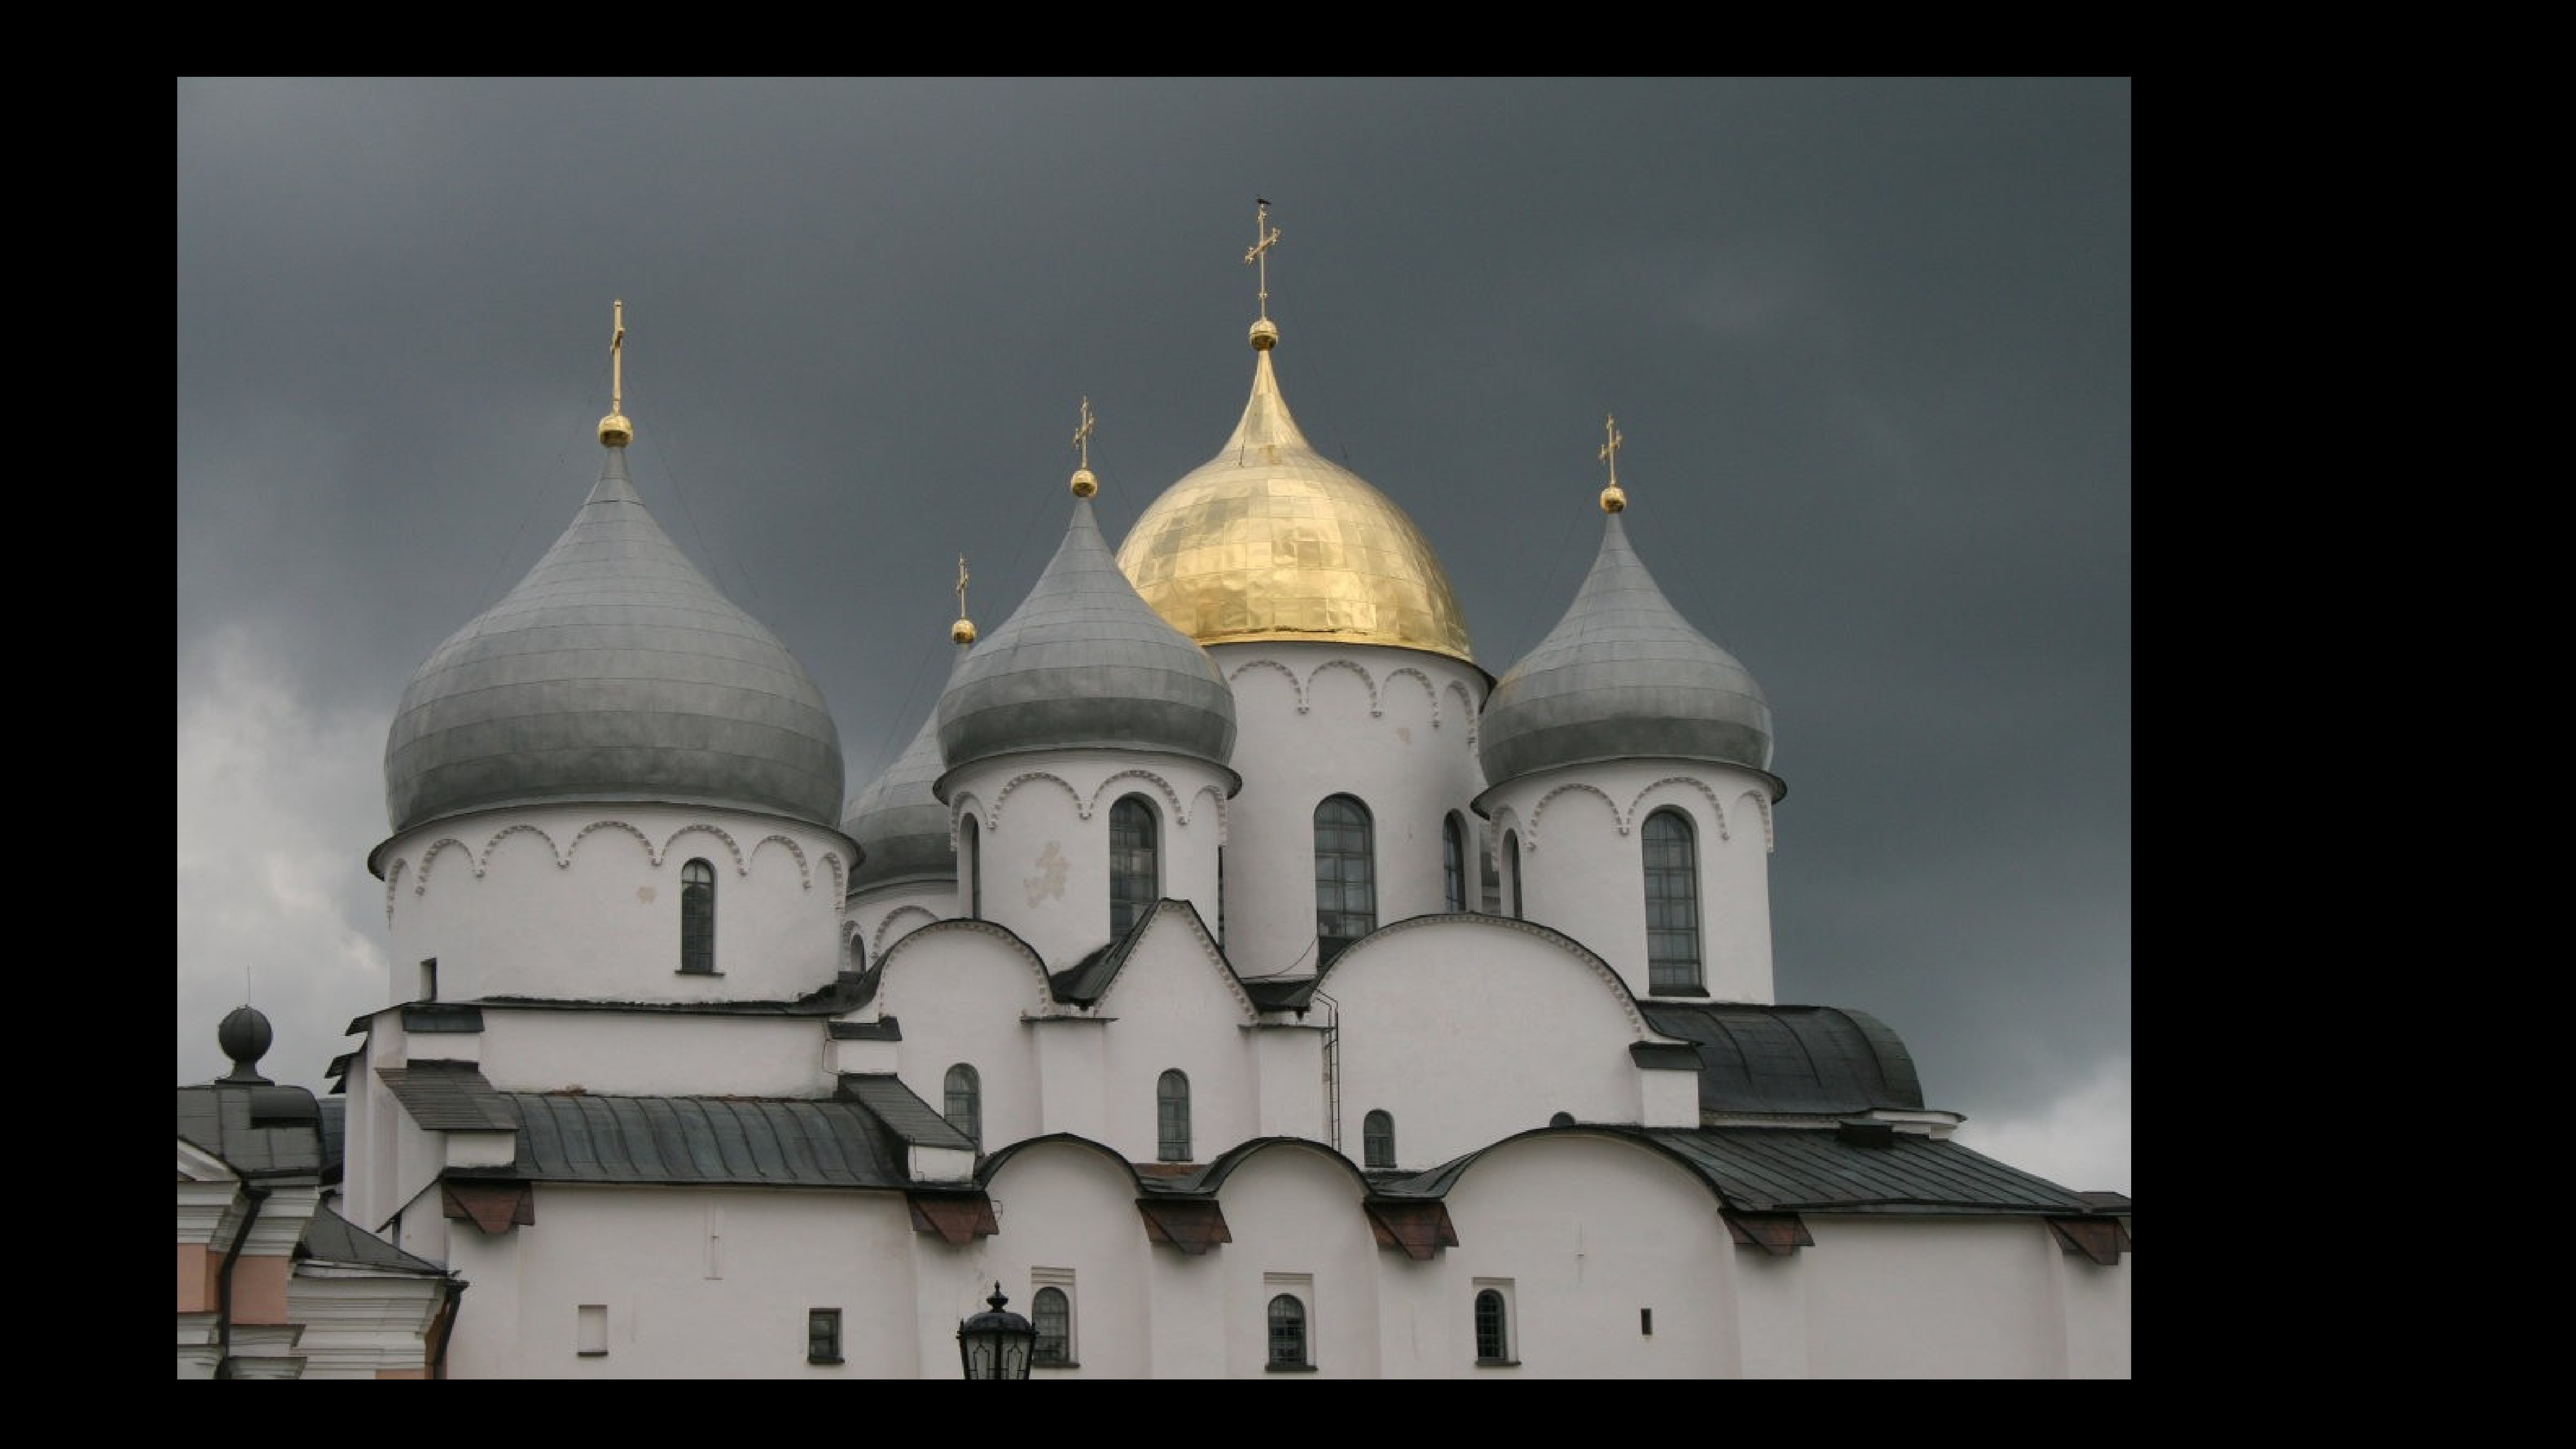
1507 825
1717 812
1367 681
966 803
393 881
886 931
1466 711
993 820
1296 686
1430 691
840 880
505 832
1761 802
740 866
429 857
804 872
651 855
1085 808
1216 797
1618 819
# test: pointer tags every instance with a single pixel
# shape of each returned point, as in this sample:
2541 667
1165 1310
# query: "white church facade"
1232 973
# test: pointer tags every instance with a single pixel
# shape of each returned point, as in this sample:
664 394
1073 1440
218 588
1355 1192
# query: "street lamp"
996 1344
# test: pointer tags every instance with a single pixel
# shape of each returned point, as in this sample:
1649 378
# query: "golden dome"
1271 540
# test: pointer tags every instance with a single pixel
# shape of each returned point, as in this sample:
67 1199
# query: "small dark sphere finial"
245 1037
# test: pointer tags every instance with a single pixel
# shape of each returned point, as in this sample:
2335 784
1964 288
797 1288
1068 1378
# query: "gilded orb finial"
1613 498
1084 485
963 631
1265 333
614 430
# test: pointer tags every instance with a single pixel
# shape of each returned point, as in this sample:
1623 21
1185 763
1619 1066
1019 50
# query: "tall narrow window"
1512 871
970 865
1345 876
1172 1118
1287 1332
1672 904
964 1103
1377 1140
1453 863
1052 1313
1135 874
698 918
1493 1328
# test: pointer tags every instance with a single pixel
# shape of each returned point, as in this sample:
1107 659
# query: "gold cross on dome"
1610 449
1082 435
961 586
1264 236
617 361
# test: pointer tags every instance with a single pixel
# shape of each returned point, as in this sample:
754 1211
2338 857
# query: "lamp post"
996 1344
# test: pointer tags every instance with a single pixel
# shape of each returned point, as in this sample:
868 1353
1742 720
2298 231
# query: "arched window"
1672 904
1453 863
1135 868
1345 876
1287 1330
964 1105
1172 1118
1512 871
1493 1337
970 865
1377 1140
698 918
1052 1313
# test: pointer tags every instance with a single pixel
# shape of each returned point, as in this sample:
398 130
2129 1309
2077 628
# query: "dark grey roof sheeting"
684 1141
263 1131
1802 1059
442 1017
448 1097
1623 675
914 1121
1085 661
332 1238
900 826
614 670
1790 1169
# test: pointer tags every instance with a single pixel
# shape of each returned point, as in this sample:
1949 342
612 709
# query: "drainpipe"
224 1284
446 1327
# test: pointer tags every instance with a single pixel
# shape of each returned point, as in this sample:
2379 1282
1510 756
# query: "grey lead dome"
614 671
1623 675
1086 662
901 827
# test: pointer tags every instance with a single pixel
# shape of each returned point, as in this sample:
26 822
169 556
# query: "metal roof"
614 671
1800 1059
900 826
908 1117
259 1131
331 1238
686 1141
1791 1169
1085 662
448 1097
1623 675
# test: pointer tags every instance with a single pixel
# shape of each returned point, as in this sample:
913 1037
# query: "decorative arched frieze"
1599 968
804 872
1466 711
1714 809
840 879
420 887
651 856
1538 811
393 878
1216 797
1173 911
958 809
993 821
1429 691
505 833
1296 686
740 865
1355 667
1506 826
1045 999
1761 803
1179 816
886 928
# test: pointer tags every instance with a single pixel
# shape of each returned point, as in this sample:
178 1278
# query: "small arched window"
964 1103
1287 1330
1512 871
1135 866
1172 1118
1052 1313
1672 903
1377 1140
970 865
1453 863
698 918
1493 1335
1345 875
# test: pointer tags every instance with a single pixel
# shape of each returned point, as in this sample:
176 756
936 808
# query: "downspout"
1332 1071
446 1327
224 1284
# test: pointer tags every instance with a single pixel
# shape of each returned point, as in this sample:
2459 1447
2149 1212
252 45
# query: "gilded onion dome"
614 671
1084 663
899 824
1623 675
1271 540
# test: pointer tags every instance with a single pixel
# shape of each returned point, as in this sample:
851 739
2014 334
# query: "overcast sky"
1868 343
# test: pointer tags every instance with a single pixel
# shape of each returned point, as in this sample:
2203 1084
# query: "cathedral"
1232 978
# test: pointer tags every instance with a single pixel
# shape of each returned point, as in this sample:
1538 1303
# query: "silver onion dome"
1623 675
614 671
1085 662
899 824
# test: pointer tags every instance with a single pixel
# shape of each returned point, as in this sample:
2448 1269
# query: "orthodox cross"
1264 236
1610 449
616 362
1082 435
